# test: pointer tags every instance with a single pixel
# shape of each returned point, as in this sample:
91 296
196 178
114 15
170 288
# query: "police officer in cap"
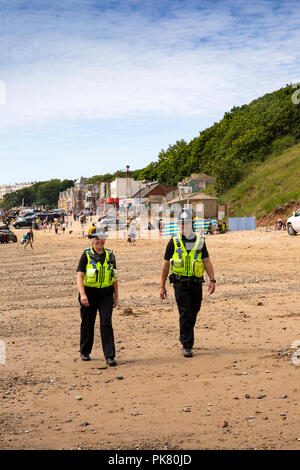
187 257
98 290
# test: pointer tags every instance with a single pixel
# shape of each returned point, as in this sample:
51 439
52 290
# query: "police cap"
97 232
185 215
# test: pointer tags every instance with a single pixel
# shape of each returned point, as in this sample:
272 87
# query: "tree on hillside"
48 193
228 150
41 193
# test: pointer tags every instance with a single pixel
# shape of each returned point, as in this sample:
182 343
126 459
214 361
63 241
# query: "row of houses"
132 196
10 188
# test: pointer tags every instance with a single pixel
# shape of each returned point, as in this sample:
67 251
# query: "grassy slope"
271 185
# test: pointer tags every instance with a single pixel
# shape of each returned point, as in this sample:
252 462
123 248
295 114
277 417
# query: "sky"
90 86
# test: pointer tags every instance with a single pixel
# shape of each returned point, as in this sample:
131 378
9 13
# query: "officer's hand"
163 293
211 287
84 301
115 301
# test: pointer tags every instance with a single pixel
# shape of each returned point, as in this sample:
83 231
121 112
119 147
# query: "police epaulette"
177 241
88 250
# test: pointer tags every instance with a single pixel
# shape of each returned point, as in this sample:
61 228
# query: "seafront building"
9 188
124 195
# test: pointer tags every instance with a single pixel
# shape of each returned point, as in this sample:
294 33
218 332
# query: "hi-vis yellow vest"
96 274
184 263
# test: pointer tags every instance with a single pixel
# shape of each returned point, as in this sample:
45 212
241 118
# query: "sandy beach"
240 390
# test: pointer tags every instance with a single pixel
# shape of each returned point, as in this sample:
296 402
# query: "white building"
125 187
4 189
9 188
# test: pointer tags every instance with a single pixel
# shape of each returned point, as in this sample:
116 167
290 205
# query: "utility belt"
185 280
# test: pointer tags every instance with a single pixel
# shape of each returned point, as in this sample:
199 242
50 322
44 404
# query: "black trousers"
188 298
103 304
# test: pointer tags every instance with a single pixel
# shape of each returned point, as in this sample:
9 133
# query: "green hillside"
228 150
270 186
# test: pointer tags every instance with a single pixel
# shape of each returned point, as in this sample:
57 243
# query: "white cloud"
117 64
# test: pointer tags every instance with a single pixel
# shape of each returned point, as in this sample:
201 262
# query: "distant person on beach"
280 225
91 229
224 227
160 225
219 227
29 239
132 234
210 229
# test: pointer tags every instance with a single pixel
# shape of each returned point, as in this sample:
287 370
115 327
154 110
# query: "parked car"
24 222
7 236
48 215
59 213
293 223
26 214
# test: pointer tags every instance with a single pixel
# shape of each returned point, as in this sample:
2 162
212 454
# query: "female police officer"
187 257
98 290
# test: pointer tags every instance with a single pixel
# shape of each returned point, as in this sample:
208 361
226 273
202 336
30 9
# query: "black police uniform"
101 299
188 293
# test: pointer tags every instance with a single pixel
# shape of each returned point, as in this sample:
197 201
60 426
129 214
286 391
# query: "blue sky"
91 86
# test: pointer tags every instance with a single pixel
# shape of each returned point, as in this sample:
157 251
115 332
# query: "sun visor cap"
184 216
97 233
